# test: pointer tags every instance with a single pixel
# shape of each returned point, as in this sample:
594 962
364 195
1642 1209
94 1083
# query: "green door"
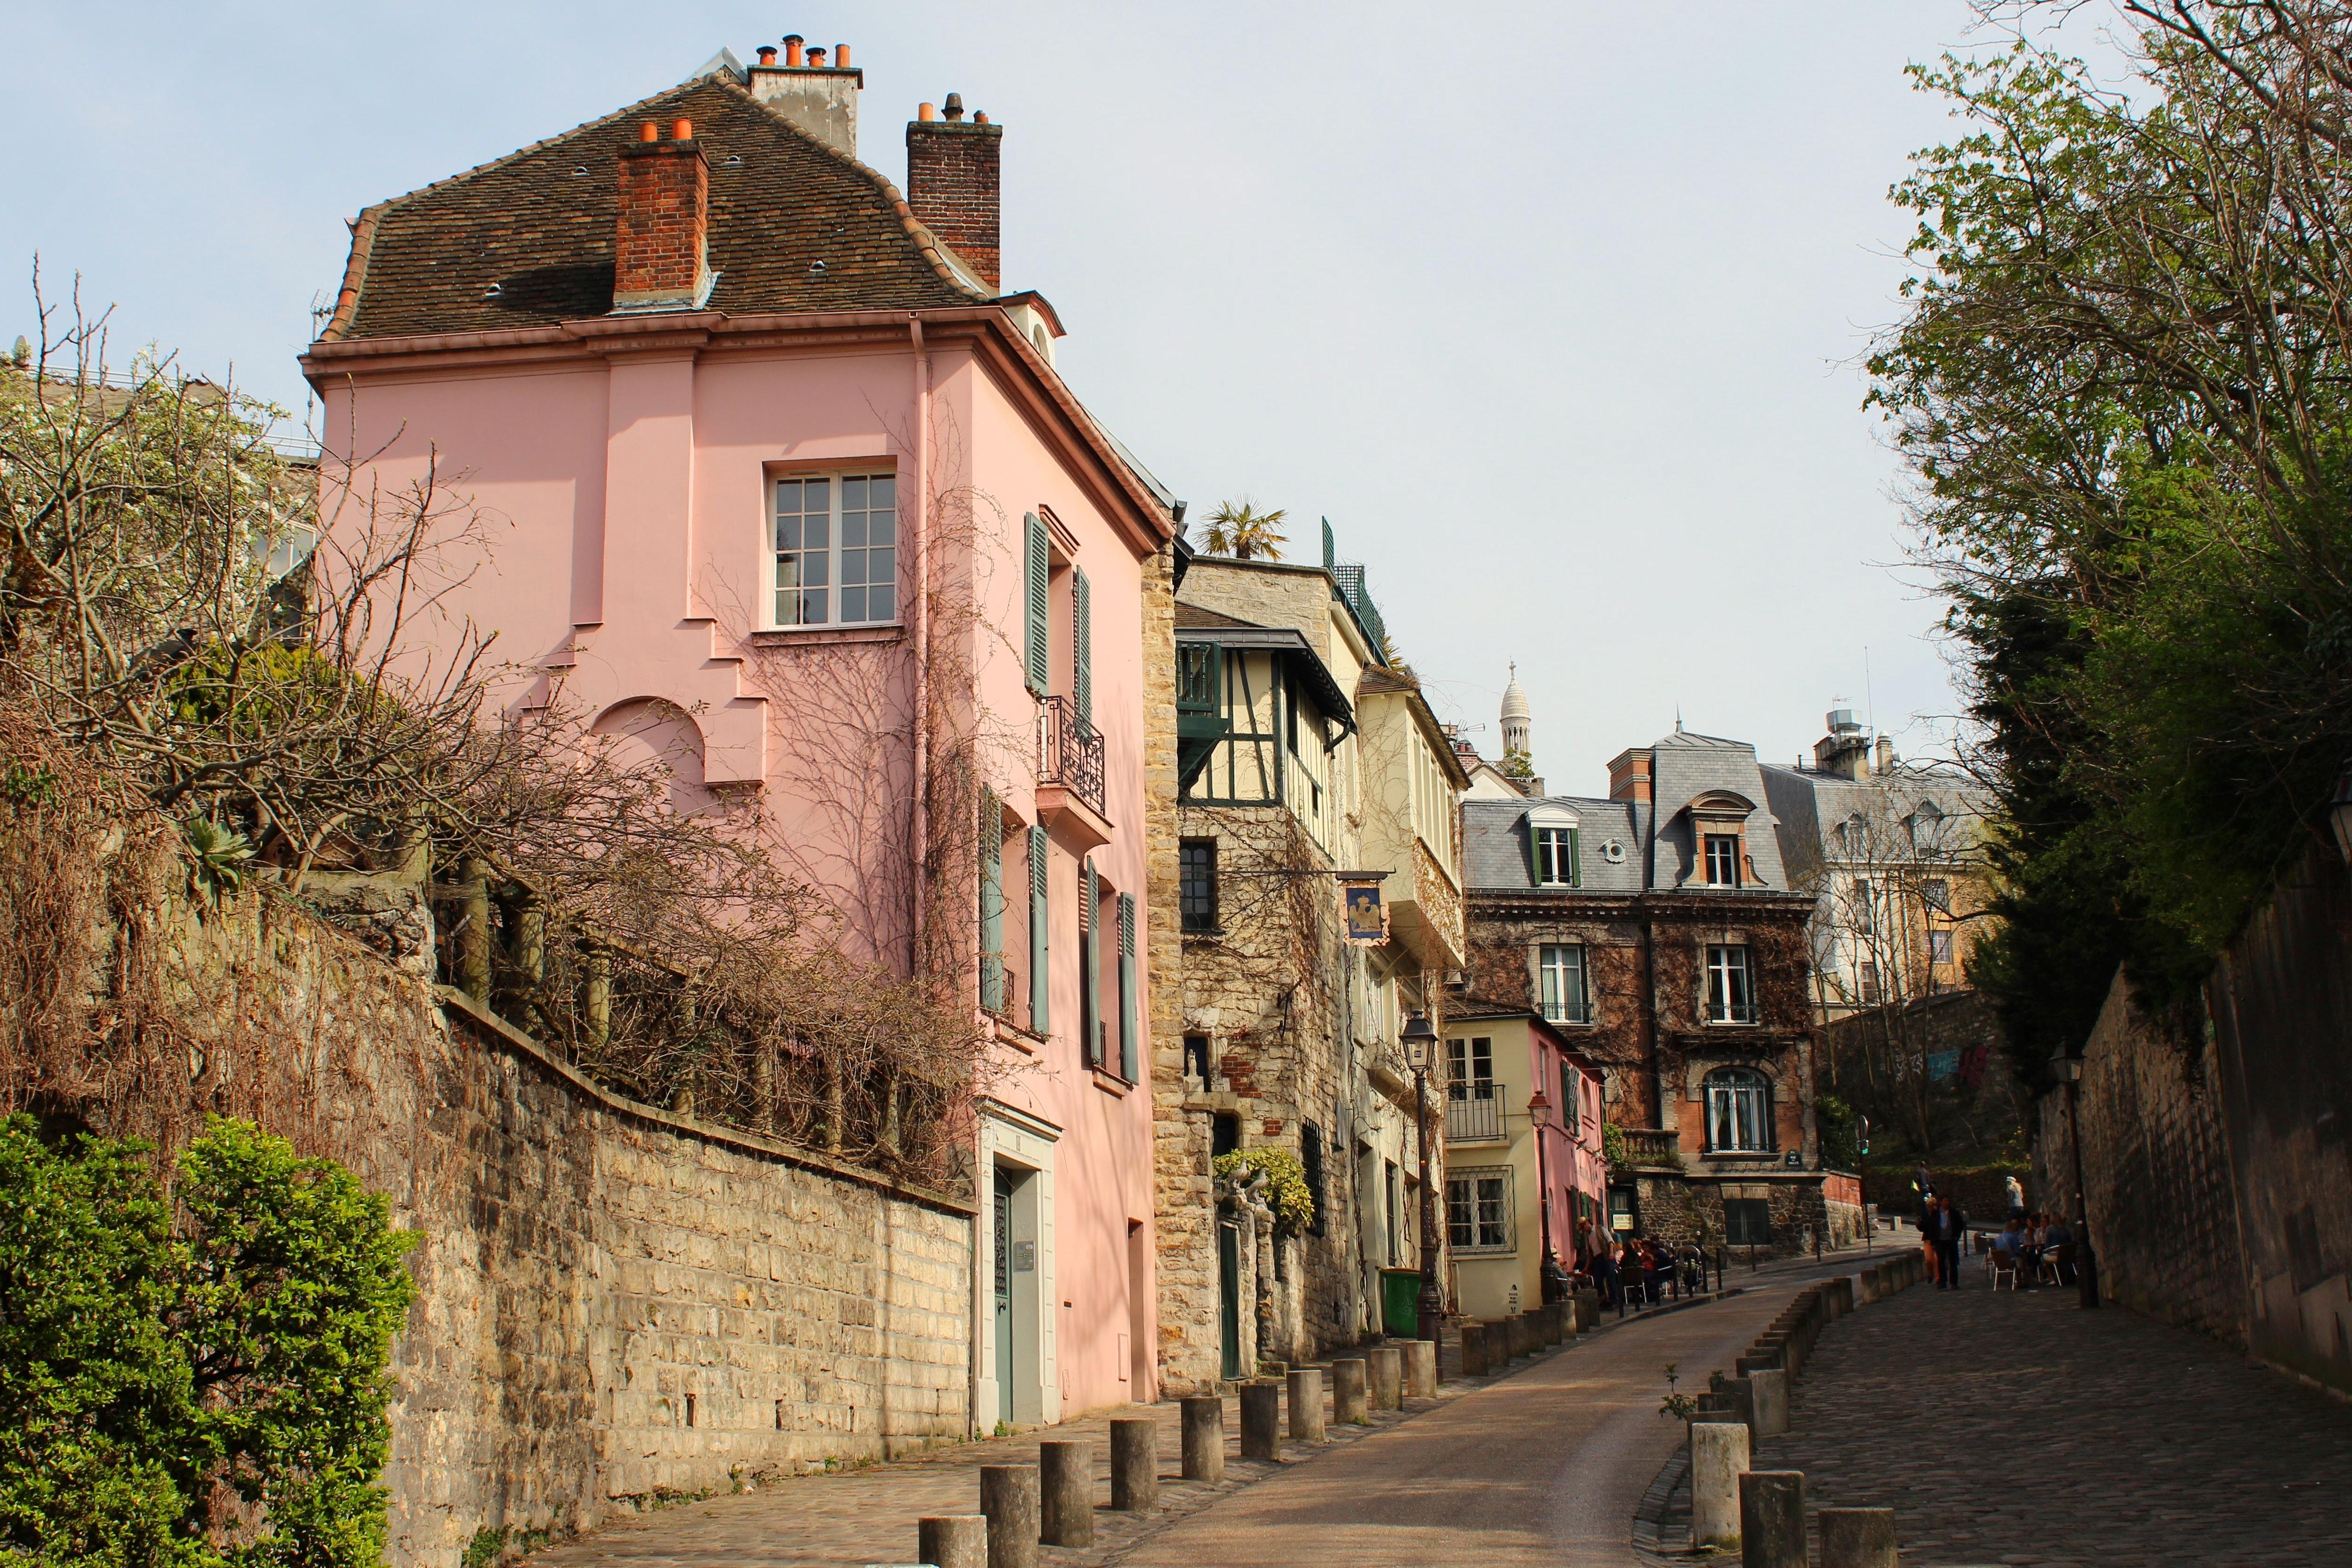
1004 1295
1229 1296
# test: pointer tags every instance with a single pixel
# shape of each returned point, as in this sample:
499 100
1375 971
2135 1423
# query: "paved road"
1542 1468
2013 1427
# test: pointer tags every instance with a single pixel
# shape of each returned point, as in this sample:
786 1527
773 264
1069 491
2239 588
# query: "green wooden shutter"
992 901
1128 1046
1034 569
1090 1022
1039 1019
1081 646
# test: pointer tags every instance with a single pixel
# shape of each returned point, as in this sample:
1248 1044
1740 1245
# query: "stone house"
753 462
1303 755
1656 930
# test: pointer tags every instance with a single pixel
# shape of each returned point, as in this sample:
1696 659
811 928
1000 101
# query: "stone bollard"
1306 1405
1420 1368
1741 1394
1066 1493
1770 1387
1262 1421
1772 1519
1205 1438
1523 1335
1555 1331
954 1540
1868 1286
1008 1499
1757 1359
1719 1456
1348 1392
1858 1538
1135 1465
1473 1350
1386 1365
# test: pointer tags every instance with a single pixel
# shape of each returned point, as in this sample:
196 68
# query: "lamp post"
1419 1041
2068 1069
1547 1273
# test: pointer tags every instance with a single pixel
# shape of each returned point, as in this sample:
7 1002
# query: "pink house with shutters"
774 476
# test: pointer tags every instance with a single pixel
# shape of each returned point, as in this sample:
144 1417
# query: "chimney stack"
814 98
1885 754
661 246
1844 751
953 185
1629 774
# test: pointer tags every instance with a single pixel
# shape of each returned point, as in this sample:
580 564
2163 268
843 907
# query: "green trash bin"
1400 1302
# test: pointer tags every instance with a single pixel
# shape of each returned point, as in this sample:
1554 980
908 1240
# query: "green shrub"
1286 1180
144 1364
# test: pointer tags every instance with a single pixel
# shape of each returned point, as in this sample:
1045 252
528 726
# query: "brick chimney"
953 184
1629 774
816 98
661 246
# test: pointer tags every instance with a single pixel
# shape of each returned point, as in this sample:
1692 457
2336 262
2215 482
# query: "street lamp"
2068 1069
1420 1042
1547 1273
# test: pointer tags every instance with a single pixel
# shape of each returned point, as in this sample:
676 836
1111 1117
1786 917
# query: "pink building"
1525 1175
775 475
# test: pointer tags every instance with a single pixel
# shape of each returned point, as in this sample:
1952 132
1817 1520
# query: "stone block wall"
2156 1163
615 1305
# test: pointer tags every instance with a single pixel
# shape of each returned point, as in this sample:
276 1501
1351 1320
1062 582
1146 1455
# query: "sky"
1557 312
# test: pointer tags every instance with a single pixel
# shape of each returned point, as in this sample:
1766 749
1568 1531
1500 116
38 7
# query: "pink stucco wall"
622 498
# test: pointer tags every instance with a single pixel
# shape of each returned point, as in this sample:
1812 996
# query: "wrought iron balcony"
1070 753
1472 1114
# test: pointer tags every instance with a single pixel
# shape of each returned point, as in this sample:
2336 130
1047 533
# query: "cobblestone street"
2012 1427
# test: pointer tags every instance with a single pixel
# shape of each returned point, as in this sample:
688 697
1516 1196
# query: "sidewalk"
852 1518
2012 1427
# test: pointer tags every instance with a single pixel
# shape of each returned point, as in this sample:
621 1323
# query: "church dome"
1515 700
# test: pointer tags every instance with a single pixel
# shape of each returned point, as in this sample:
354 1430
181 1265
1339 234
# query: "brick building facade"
1656 930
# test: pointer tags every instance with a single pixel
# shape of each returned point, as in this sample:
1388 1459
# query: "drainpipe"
1650 1012
922 542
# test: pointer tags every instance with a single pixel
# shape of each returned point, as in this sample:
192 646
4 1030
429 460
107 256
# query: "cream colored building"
1303 754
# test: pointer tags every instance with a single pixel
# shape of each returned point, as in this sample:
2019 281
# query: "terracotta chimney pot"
791 49
924 111
683 130
648 131
841 57
981 118
817 59
767 54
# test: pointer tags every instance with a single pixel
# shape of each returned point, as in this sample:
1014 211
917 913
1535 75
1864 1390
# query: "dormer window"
1718 827
1723 859
1551 838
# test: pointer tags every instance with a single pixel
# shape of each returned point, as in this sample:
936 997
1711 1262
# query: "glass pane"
814 570
788 606
853 529
853 605
881 566
813 607
853 566
788 532
816 495
884 526
816 530
852 494
881 604
788 495
882 492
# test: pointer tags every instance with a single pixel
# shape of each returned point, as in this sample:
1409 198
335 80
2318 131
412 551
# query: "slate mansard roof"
1659 854
794 226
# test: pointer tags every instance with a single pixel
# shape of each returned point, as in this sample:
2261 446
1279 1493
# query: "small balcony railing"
1070 752
1652 1146
1472 1114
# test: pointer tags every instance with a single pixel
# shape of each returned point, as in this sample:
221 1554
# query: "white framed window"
1730 985
1478 1210
835 538
1722 860
1738 1111
1473 1064
1551 841
1940 947
1560 975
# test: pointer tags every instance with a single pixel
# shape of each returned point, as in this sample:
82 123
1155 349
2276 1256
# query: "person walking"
2016 1197
1951 1225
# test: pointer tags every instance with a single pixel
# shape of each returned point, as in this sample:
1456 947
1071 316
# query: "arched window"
1738 1111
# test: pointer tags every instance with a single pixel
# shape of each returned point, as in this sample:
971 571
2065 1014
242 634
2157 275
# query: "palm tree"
1239 530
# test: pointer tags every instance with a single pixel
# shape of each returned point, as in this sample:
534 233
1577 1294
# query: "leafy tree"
151 1372
2125 385
1239 530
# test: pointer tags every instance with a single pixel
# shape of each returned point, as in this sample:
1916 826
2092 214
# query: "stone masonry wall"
615 1305
2156 1165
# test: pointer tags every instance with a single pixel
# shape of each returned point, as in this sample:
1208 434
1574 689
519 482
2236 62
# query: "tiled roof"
1686 766
794 226
1495 856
